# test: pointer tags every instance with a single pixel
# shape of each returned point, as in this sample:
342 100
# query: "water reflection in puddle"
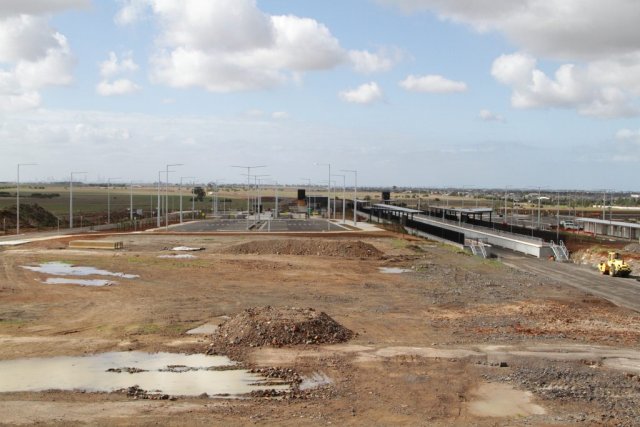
167 373
64 269
393 270
81 282
317 379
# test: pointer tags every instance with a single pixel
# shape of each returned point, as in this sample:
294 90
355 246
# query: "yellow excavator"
614 266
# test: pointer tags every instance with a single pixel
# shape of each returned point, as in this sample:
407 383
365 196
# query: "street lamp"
214 197
248 168
181 178
18 196
109 199
71 198
257 180
355 194
344 183
159 212
328 192
166 195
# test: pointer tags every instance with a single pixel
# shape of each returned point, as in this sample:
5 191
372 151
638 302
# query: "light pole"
131 201
214 197
257 181
181 178
166 194
355 194
344 190
159 211
18 196
328 193
193 201
109 199
71 198
307 197
248 168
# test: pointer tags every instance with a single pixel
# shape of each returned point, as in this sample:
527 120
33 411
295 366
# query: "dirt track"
439 345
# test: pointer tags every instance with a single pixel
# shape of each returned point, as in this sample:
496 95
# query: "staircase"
560 251
478 248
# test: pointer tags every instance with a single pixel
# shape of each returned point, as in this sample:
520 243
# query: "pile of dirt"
318 247
30 216
278 326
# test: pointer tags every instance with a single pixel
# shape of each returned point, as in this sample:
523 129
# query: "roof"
396 208
604 221
466 210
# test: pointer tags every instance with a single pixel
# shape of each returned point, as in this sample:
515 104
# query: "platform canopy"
396 208
607 222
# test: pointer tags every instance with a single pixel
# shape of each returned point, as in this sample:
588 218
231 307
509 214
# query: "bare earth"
456 340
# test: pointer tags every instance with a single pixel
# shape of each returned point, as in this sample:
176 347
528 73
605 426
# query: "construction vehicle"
614 266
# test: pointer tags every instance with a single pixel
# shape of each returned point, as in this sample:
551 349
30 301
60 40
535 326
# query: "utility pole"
343 195
166 195
248 168
355 195
131 201
328 194
181 178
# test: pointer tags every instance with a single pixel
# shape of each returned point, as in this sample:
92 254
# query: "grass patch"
156 329
399 243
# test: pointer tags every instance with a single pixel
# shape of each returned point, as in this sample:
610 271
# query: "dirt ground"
455 340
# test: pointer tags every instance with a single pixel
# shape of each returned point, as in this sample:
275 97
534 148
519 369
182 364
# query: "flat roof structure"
396 208
469 211
607 222
625 230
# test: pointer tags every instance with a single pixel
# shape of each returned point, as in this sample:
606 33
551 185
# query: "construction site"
402 317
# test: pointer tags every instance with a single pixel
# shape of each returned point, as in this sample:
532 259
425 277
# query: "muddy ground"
456 340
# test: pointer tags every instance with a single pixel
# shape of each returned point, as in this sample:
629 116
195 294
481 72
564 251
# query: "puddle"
393 270
64 269
318 379
81 282
166 373
178 256
207 328
502 400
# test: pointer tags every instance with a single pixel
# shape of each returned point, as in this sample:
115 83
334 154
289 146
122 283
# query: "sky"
423 93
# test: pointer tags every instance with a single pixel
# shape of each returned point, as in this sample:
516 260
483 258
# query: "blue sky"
483 93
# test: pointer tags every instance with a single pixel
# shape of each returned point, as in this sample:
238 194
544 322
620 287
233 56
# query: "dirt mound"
30 216
278 326
318 247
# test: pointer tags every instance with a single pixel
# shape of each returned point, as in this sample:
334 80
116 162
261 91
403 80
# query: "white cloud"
280 115
570 87
489 116
432 84
628 135
561 29
130 11
366 62
117 87
231 45
597 44
32 56
114 67
367 93
37 7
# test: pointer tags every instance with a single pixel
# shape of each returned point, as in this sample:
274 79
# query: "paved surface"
292 225
624 292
